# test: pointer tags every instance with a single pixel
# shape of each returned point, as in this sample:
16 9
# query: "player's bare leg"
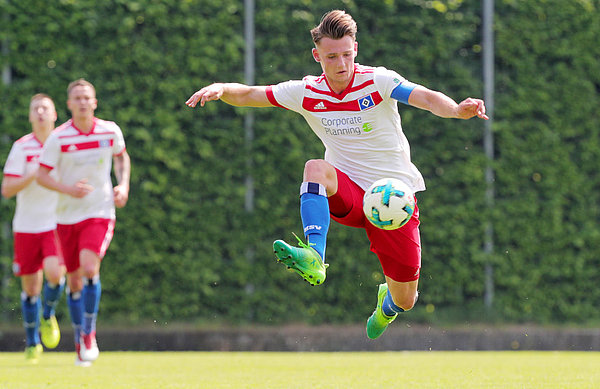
404 294
31 284
322 172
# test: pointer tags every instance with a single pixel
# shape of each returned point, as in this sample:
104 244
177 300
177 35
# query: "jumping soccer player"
34 230
353 110
82 151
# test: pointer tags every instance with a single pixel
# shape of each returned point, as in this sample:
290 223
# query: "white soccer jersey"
76 156
360 128
36 206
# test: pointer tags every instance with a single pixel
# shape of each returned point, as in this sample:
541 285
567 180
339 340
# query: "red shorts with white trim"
32 249
93 234
399 251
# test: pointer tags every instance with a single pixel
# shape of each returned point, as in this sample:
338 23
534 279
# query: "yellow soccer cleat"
33 353
49 331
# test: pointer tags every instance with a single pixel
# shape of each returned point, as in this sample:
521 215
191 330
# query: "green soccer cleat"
50 333
378 321
304 260
33 353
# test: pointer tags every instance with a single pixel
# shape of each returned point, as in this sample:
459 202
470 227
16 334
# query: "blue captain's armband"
403 91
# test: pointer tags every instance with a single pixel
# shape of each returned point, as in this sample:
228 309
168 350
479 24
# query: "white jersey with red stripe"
77 156
36 206
360 128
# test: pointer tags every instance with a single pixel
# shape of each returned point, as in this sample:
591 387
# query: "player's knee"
314 169
89 264
89 271
54 275
320 171
406 302
32 290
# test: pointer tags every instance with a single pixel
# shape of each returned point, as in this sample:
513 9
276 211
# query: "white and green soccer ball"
388 203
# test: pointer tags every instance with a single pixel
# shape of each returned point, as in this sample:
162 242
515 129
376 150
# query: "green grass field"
520 369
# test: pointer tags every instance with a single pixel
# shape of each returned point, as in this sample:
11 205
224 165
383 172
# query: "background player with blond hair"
34 231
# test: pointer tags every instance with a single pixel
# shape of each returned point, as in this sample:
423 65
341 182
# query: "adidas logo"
72 148
320 105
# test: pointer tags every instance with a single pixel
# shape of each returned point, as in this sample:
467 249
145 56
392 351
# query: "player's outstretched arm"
441 105
239 95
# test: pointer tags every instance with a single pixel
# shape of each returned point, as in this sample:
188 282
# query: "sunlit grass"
359 370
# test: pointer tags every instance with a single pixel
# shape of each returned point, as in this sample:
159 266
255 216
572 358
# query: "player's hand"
81 189
208 93
471 107
121 195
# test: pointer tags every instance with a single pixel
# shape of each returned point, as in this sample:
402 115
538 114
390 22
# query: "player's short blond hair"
334 24
39 96
80 82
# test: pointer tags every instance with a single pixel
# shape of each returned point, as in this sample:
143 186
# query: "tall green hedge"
186 248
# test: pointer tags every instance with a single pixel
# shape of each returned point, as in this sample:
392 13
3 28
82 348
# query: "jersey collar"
85 133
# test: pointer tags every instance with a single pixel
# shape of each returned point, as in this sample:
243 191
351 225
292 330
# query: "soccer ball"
388 203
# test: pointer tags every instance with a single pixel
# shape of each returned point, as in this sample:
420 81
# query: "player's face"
82 102
336 57
42 112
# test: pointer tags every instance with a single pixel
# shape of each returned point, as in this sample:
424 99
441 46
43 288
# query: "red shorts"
93 234
399 251
32 249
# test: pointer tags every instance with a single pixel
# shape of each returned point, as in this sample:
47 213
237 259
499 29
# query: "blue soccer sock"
91 302
52 295
30 306
314 210
388 306
75 303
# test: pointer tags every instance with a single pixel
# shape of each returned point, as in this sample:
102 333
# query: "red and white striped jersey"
360 128
36 206
77 156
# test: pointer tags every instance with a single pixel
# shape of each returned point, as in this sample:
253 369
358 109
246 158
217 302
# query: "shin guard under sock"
91 302
314 210
30 306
